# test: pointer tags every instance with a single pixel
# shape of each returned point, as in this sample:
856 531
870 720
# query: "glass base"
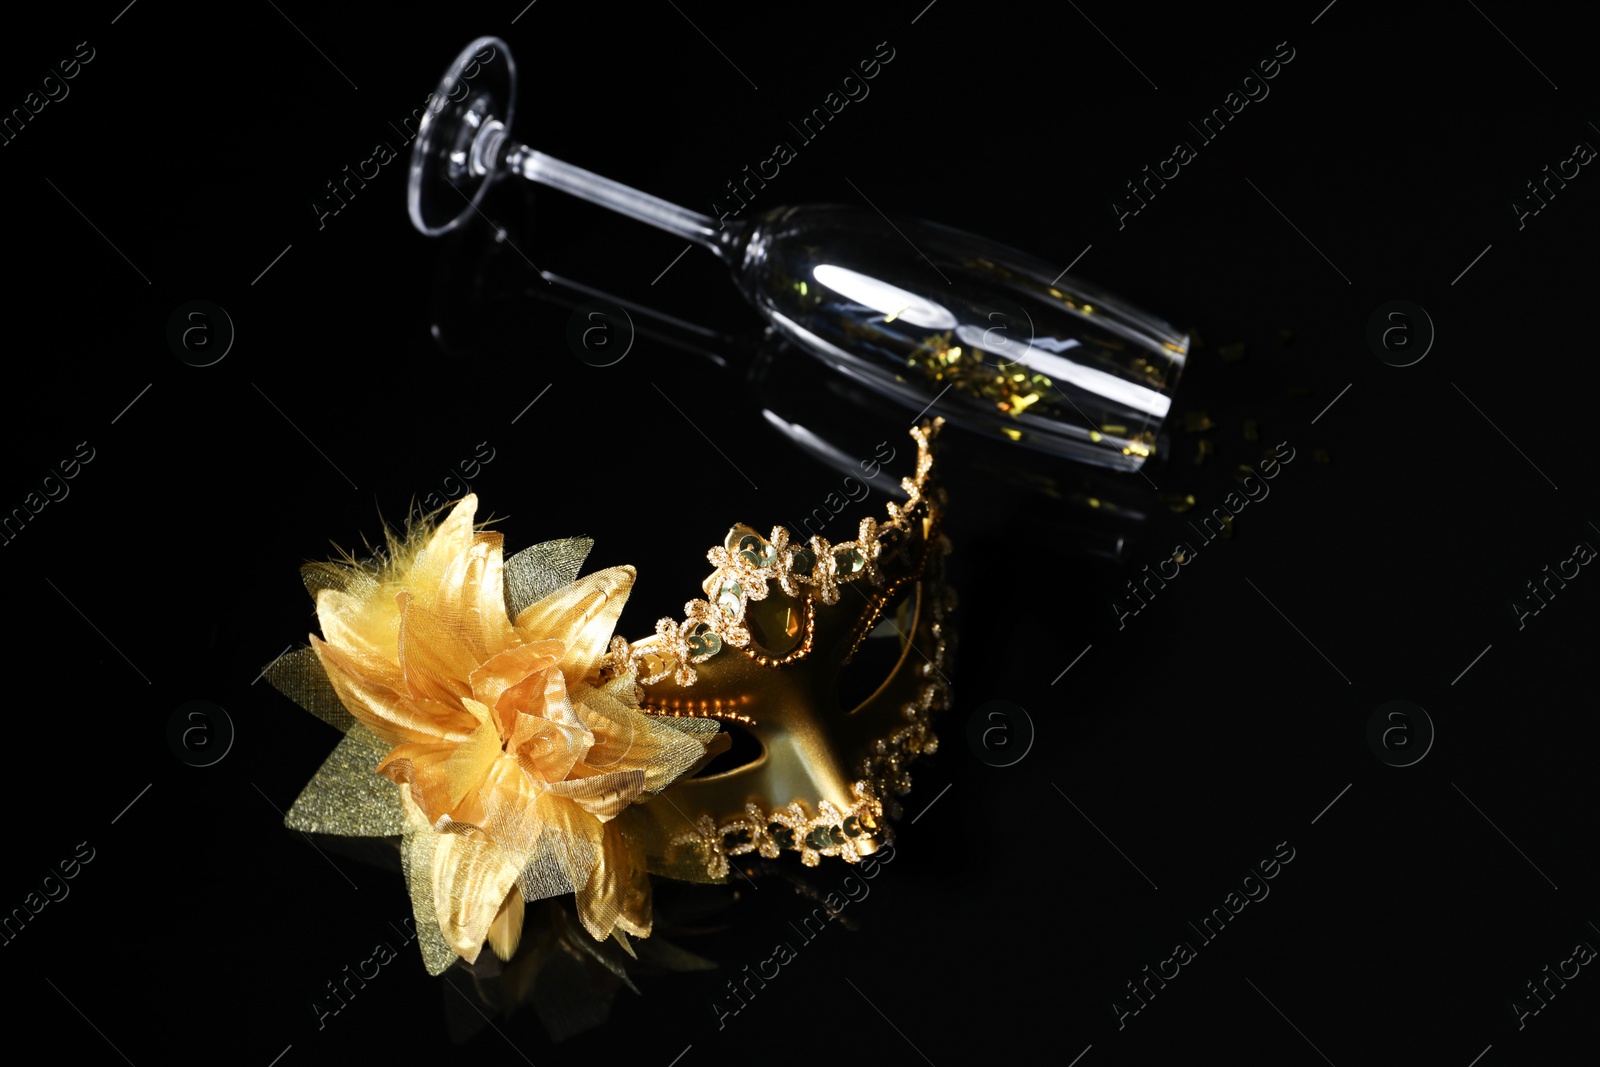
445 186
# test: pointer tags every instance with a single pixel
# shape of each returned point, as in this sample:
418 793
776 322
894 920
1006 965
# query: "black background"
1221 720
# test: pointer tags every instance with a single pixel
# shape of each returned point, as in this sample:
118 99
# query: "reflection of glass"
931 317
1081 511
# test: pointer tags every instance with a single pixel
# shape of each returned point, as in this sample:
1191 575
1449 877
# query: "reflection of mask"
772 665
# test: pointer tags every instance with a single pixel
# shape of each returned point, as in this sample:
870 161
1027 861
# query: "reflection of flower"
513 754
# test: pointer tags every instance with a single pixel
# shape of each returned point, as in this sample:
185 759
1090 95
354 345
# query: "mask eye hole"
744 750
878 657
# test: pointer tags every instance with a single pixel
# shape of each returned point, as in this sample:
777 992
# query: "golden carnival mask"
520 751
766 651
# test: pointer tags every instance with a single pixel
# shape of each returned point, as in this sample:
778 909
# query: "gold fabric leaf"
697 728
343 579
566 852
299 676
417 861
346 797
617 895
539 570
544 877
674 845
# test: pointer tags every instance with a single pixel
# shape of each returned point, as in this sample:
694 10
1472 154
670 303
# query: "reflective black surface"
1211 719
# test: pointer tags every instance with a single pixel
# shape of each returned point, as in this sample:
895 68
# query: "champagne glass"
938 320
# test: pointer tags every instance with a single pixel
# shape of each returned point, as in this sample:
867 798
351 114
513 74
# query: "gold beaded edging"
704 710
885 774
879 602
745 570
746 566
830 832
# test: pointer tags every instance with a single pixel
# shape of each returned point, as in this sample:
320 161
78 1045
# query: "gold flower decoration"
514 753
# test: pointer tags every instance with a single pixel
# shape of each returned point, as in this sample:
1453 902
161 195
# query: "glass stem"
493 146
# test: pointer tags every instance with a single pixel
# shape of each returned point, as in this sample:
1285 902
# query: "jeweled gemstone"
775 623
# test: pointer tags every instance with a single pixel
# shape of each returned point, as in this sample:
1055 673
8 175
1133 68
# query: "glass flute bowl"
934 319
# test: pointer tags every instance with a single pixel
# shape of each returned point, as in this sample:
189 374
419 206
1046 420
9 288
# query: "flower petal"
581 615
562 840
417 768
460 577
435 662
602 795
512 680
417 860
449 540
629 740
505 933
374 691
473 595
549 742
445 776
471 876
358 624
519 827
